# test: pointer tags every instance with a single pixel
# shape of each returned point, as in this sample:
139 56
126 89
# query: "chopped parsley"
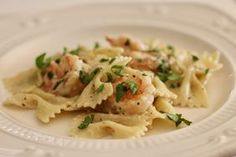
194 58
100 88
123 87
112 60
163 67
65 50
50 75
94 73
85 123
157 50
171 49
41 62
85 77
120 91
109 77
107 60
165 73
117 69
173 76
170 75
206 71
96 45
132 85
104 60
75 51
177 118
162 76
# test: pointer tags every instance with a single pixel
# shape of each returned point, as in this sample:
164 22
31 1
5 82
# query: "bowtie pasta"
118 90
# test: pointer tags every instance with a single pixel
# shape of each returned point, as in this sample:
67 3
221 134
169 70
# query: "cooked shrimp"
126 42
134 48
71 85
62 76
143 61
143 64
132 103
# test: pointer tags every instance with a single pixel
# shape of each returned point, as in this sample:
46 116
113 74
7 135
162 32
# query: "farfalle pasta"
117 91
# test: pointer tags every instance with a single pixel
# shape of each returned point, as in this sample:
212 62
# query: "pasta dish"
117 90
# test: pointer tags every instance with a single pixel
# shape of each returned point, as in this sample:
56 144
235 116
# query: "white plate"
181 24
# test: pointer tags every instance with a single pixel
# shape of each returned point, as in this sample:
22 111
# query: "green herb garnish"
172 76
206 71
120 91
75 51
171 49
117 69
177 118
100 88
195 58
104 60
85 123
168 76
123 87
162 76
165 73
157 50
65 50
96 45
132 85
109 77
112 60
163 67
41 62
94 73
85 77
